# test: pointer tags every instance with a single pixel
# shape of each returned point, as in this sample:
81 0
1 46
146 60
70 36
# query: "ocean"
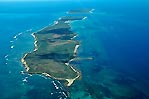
115 36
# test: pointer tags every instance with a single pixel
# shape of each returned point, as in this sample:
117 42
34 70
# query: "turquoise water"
115 36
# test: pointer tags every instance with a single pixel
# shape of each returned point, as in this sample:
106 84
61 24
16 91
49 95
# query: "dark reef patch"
98 91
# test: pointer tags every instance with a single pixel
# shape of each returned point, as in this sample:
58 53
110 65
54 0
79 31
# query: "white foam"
64 94
15 37
6 56
35 42
29 30
12 47
30 75
59 18
74 37
56 87
84 18
67 22
26 77
58 82
91 11
67 64
76 48
44 77
11 41
24 80
55 22
19 33
22 72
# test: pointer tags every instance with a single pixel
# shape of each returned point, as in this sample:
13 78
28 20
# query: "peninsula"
54 48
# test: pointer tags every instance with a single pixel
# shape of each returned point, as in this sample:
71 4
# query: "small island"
81 11
54 49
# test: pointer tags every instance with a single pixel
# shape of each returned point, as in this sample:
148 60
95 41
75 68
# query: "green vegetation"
54 48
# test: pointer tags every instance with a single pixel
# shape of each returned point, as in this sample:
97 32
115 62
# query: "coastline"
24 56
76 48
70 81
35 48
91 11
24 62
35 42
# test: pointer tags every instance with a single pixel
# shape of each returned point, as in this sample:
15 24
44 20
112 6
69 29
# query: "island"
55 47
80 11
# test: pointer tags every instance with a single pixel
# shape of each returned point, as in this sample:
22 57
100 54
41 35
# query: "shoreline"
35 42
91 11
70 81
35 49
24 62
84 18
75 49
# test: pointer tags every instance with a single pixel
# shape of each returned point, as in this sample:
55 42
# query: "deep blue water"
115 35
